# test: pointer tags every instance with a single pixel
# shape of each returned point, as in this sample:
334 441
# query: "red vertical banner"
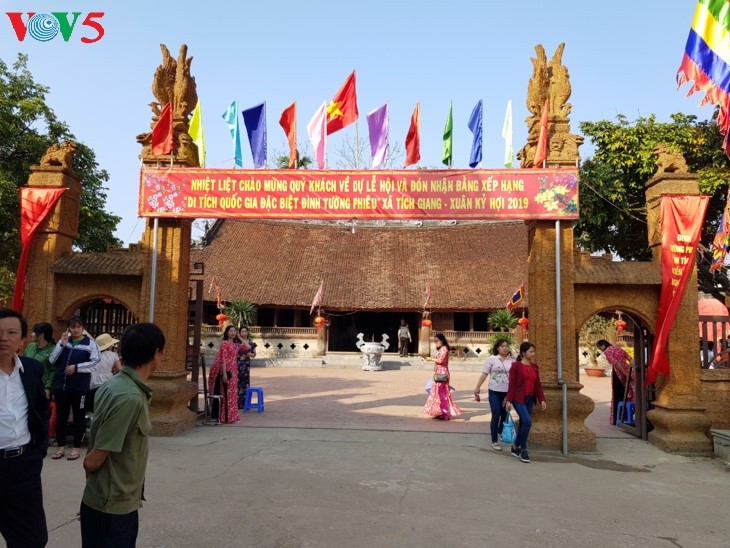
35 205
682 219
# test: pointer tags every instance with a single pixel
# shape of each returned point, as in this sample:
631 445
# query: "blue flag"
231 118
254 119
475 125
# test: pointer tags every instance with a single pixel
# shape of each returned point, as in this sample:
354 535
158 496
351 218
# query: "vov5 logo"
44 27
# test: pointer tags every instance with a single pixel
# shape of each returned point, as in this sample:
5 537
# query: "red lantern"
319 322
523 323
221 318
620 325
426 323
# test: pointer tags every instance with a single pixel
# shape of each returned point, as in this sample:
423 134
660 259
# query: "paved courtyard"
342 457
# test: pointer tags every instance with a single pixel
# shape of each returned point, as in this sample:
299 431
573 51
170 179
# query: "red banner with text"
682 219
404 194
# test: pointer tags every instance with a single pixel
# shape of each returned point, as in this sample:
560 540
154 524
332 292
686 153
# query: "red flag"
288 122
428 296
35 205
162 132
413 138
317 298
342 111
682 218
541 152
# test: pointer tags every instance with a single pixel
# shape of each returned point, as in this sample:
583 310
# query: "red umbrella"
713 307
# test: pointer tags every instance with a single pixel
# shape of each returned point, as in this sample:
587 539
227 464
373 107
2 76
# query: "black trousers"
101 530
67 400
403 348
22 519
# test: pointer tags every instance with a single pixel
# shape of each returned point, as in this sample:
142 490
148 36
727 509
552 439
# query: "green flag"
449 137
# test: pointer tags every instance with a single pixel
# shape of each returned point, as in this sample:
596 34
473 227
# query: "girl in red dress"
223 377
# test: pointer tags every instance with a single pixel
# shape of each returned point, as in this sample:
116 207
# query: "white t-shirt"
498 372
103 370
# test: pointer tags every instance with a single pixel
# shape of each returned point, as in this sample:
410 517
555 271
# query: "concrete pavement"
342 458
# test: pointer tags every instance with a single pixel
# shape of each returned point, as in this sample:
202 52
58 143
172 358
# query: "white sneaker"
496 447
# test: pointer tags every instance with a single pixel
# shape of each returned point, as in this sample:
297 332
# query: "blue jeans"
524 410
499 413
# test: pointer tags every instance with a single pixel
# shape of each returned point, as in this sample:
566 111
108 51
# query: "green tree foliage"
595 329
612 193
282 161
28 126
502 320
242 313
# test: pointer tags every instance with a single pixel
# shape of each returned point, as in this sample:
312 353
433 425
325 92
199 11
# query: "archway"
102 315
618 410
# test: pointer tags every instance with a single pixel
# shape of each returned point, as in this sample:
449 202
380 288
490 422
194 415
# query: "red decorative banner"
35 205
404 194
682 219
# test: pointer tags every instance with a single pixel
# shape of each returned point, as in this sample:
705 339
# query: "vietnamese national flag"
288 123
542 140
342 110
162 132
413 138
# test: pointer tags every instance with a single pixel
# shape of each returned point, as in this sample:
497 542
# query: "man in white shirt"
23 438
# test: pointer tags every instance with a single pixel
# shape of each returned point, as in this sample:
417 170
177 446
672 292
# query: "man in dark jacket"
23 438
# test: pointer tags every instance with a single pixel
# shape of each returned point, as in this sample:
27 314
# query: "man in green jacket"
118 447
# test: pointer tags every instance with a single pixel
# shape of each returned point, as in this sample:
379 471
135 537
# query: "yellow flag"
195 130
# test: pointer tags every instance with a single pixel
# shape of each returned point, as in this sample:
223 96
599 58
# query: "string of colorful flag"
334 116
706 63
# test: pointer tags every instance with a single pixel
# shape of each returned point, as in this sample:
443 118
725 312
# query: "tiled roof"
474 266
605 271
112 263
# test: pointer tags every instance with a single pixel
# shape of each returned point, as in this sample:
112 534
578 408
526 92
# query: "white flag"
317 298
507 136
317 129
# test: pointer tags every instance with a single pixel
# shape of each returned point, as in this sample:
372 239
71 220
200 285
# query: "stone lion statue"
669 161
59 155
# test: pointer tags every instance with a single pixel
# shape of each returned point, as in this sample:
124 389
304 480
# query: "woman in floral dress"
248 351
440 404
223 376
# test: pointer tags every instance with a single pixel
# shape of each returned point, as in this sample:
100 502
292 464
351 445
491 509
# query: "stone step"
721 444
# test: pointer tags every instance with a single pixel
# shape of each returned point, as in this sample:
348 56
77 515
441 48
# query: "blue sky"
622 57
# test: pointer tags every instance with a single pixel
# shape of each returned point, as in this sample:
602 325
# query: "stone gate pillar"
54 236
172 83
679 419
542 281
172 391
550 79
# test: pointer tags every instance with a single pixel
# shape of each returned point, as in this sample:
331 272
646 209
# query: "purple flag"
378 127
475 125
254 119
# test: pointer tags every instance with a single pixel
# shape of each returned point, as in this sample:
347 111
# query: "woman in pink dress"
223 377
440 404
621 371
